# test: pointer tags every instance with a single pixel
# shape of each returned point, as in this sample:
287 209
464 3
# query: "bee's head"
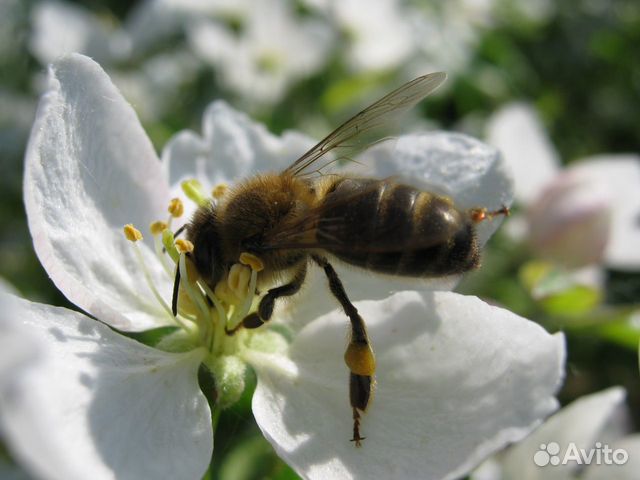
203 232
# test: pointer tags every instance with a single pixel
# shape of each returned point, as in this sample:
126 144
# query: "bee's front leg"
359 355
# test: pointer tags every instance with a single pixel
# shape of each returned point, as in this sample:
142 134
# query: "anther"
132 233
158 227
184 246
176 207
252 261
219 191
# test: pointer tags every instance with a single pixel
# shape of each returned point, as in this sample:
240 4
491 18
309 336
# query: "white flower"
590 193
59 28
591 424
379 35
273 50
457 379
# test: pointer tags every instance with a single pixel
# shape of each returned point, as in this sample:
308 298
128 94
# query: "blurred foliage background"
575 62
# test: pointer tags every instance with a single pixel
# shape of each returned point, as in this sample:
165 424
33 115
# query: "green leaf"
574 301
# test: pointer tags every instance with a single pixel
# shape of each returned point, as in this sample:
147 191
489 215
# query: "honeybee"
292 219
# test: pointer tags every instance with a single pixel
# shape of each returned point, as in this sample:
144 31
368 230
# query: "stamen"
252 261
196 297
224 293
132 233
176 207
194 191
157 229
238 279
184 246
248 295
169 245
219 191
218 335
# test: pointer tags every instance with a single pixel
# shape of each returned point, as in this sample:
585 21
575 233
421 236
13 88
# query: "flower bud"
569 223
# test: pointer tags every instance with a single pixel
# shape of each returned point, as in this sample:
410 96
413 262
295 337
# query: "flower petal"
90 169
620 176
456 380
101 405
619 471
518 133
581 423
234 147
17 347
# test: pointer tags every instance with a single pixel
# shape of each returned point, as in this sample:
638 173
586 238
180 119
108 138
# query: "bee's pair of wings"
349 138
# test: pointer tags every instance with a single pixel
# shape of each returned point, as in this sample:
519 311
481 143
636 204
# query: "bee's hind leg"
359 355
267 303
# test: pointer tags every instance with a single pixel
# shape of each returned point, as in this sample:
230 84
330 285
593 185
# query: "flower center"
204 315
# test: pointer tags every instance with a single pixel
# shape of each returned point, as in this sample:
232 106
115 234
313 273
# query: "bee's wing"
354 134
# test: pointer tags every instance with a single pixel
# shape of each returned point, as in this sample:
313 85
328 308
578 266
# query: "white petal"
619 471
620 176
100 405
581 423
518 133
17 347
232 148
90 169
456 380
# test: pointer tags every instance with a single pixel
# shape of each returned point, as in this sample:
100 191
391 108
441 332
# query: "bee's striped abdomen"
392 228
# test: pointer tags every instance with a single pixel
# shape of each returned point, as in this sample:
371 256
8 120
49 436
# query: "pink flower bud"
569 223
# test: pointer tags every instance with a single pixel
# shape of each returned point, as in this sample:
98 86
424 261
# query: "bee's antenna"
176 288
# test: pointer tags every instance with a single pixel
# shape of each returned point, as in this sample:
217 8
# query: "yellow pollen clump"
132 233
252 261
184 246
360 359
219 191
176 207
158 227
238 279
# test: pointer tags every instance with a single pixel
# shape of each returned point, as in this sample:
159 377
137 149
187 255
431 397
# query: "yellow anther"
238 279
176 207
184 246
219 191
132 233
158 227
252 261
360 359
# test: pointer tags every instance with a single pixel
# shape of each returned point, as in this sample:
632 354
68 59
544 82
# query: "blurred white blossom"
272 50
589 423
